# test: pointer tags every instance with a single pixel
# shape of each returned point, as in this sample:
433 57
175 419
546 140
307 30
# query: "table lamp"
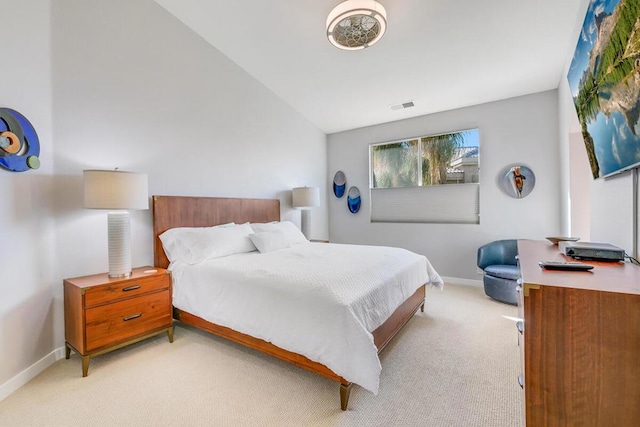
117 191
305 198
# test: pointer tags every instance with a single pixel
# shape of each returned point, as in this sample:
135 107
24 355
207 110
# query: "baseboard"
30 373
459 281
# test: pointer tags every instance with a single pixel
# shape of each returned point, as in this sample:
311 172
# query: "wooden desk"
580 347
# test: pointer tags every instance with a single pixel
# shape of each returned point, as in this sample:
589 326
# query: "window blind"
453 204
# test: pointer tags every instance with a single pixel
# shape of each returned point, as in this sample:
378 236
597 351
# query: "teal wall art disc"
353 200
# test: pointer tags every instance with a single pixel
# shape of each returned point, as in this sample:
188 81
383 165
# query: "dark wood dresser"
580 341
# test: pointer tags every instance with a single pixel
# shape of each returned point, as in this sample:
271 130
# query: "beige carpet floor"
454 365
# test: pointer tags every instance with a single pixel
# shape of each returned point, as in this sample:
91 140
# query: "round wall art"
19 145
339 184
353 200
518 182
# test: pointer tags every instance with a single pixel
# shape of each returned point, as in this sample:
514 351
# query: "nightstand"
102 314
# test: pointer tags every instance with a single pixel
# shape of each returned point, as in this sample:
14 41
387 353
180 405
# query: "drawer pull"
520 325
130 288
133 316
521 381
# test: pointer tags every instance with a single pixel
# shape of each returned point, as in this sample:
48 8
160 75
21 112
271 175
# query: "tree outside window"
450 158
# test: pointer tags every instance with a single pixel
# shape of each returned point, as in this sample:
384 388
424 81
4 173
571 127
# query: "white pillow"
195 244
267 241
293 235
187 243
231 240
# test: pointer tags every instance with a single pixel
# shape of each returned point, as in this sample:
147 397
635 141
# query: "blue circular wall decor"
19 145
353 200
339 184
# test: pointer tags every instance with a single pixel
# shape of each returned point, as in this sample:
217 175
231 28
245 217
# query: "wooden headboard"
179 211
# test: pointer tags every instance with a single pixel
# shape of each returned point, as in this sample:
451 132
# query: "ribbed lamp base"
305 222
119 244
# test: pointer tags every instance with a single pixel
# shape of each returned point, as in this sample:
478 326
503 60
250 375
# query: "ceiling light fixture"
356 24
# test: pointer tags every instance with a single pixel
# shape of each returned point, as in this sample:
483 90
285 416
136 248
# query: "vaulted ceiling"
439 54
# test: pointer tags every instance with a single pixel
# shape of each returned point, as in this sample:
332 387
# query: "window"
426 179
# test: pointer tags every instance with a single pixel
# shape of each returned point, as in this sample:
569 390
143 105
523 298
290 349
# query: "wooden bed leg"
345 390
422 307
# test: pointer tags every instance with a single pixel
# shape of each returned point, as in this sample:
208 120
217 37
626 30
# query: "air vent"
402 106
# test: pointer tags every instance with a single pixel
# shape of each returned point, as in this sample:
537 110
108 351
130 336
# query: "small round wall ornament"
518 181
353 200
339 184
19 145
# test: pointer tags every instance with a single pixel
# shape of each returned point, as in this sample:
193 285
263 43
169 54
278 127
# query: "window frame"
474 202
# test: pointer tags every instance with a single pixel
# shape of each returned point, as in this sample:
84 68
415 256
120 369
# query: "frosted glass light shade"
306 197
116 190
356 24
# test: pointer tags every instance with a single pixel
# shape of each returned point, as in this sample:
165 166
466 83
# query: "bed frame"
179 211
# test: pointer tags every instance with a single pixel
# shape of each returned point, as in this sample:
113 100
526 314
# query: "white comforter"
320 300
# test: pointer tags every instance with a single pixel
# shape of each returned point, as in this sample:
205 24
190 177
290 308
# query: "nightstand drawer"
112 323
109 293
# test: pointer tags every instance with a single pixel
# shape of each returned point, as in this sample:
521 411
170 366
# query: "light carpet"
454 365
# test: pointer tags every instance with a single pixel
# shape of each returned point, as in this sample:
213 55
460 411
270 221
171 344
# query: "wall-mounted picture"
518 181
604 79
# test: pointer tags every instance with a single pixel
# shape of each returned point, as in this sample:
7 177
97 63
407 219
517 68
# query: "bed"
344 340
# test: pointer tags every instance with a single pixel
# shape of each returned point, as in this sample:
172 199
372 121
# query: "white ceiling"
442 54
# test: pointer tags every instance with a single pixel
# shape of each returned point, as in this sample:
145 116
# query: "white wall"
124 84
136 89
576 174
27 266
579 194
521 130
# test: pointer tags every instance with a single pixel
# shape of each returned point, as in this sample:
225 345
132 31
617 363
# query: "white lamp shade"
306 197
105 189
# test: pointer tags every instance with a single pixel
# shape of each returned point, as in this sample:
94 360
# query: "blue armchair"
501 273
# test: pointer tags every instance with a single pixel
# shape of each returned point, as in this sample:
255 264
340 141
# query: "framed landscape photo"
604 78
